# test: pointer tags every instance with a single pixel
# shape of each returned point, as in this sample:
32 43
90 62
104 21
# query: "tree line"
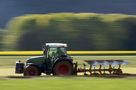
81 31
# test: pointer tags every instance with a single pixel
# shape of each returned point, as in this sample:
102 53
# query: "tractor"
56 61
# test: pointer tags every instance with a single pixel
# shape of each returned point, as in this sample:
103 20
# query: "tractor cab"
57 61
54 50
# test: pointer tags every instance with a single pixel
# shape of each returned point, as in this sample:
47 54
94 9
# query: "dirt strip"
10 71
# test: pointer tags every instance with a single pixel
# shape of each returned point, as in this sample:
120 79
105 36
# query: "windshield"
56 51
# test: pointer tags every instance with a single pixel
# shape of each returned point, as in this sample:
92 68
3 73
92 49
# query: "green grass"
10 60
68 83
130 59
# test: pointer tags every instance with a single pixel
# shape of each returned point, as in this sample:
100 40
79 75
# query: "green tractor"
54 60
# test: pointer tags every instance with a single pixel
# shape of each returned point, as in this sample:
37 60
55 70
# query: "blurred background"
82 24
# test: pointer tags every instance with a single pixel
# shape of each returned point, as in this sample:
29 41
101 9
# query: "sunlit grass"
68 83
10 60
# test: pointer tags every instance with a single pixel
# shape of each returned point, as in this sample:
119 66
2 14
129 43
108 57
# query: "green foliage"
0 38
82 31
2 32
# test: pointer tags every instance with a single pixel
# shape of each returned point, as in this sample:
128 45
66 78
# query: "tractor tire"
63 68
32 71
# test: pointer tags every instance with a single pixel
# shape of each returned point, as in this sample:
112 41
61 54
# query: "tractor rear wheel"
32 71
63 68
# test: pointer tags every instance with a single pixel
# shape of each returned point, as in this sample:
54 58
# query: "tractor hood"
36 60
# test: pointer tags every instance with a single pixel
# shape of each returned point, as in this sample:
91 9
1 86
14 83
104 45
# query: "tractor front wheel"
63 68
32 71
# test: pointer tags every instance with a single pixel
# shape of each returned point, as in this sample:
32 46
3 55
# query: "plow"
102 67
56 61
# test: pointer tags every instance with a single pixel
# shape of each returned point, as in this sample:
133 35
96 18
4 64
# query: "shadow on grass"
125 75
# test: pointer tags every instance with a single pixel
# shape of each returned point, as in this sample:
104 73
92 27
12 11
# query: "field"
68 83
7 82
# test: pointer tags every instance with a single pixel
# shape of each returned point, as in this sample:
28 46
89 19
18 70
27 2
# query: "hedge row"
81 31
2 32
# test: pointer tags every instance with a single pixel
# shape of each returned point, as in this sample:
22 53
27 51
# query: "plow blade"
102 67
106 62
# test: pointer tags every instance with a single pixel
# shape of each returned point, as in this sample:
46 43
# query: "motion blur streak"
70 52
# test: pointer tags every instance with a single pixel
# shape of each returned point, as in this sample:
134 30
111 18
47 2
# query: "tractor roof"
56 44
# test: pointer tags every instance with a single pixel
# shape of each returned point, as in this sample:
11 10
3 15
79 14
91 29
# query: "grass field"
68 83
7 64
10 60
